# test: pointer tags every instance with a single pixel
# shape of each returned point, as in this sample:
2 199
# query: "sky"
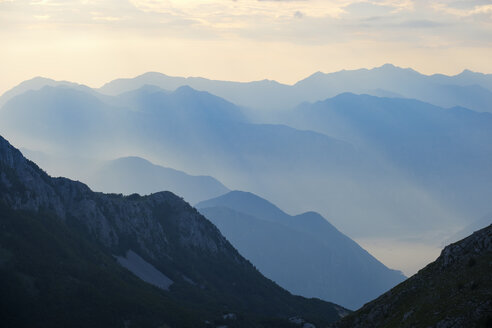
95 41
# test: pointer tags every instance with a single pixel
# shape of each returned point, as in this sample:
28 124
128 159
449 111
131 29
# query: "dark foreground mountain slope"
304 253
453 291
58 246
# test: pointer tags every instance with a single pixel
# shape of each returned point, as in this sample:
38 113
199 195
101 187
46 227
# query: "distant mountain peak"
243 197
388 65
317 73
469 73
37 83
72 223
187 89
135 159
37 79
153 75
392 67
266 235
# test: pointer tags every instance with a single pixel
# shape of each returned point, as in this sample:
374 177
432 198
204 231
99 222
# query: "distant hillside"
410 167
468 89
38 83
304 254
63 250
453 291
446 151
130 175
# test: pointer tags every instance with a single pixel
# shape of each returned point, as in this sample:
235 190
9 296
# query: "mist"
374 167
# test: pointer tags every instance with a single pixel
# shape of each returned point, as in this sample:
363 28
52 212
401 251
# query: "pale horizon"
98 85
93 42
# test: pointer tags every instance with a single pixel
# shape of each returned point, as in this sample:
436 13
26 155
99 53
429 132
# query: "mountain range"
374 166
446 151
73 257
130 175
361 159
467 89
381 153
304 253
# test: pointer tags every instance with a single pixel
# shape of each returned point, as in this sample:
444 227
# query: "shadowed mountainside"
58 268
453 291
304 253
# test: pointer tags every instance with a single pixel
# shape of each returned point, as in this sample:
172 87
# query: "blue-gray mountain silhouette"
467 89
65 251
448 151
396 189
304 253
130 175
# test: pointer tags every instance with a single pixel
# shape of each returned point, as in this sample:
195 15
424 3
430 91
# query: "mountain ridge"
465 89
438 89
324 171
162 229
453 291
133 174
303 253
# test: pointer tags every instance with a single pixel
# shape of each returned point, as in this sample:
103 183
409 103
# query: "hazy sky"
94 41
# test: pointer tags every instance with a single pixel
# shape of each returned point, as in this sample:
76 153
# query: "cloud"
241 8
260 19
459 9
298 14
315 29
367 9
423 23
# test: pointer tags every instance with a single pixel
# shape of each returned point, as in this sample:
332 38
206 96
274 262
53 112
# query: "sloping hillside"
58 248
130 175
453 291
304 253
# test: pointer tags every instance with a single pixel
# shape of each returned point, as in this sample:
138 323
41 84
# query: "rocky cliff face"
453 291
207 272
24 186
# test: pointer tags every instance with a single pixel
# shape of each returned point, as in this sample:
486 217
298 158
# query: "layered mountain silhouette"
304 253
72 257
38 83
467 89
193 131
327 170
449 151
453 291
130 175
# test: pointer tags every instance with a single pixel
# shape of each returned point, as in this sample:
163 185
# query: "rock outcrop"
208 275
453 291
